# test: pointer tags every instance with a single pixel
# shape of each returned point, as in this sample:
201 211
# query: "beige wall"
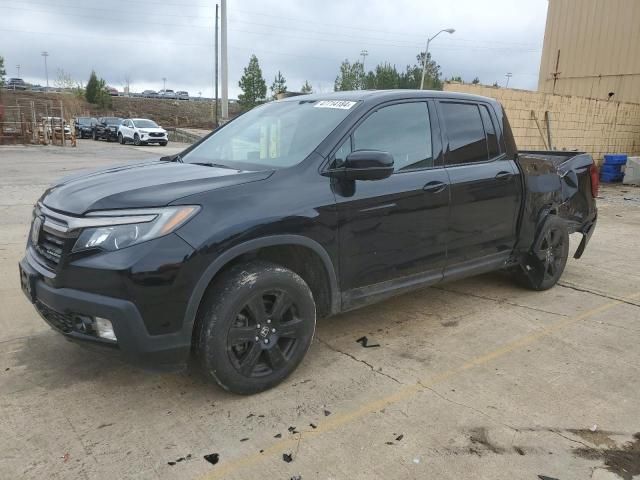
599 44
594 126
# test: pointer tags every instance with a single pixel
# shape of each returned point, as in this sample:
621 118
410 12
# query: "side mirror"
366 165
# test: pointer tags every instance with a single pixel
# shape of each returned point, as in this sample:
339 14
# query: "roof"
385 95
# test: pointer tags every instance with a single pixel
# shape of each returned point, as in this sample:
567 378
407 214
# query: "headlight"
118 229
143 131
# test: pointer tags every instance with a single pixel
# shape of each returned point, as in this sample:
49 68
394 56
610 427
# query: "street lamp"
426 53
164 83
18 68
46 71
508 75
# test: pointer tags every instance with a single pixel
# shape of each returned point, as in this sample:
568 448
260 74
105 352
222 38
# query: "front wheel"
95 137
548 258
120 139
136 140
256 325
163 144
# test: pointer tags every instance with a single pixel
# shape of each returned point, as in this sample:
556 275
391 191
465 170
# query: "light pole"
508 75
46 71
426 53
18 68
164 83
363 54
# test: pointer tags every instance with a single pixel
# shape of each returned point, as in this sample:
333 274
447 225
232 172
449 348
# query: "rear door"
393 230
485 190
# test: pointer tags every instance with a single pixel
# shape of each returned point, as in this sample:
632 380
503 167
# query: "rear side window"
489 128
403 130
467 140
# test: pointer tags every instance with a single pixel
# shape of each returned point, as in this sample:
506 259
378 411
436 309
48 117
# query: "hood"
152 130
150 184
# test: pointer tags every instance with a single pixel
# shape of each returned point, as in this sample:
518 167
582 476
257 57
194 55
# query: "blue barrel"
615 159
611 169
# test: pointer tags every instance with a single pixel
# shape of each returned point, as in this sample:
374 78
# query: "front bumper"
109 134
148 139
64 308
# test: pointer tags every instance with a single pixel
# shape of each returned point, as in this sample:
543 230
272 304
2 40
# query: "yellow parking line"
338 420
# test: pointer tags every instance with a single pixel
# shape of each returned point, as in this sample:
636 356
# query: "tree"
103 97
475 81
495 84
457 78
3 72
351 77
254 88
432 73
64 80
91 91
279 85
306 87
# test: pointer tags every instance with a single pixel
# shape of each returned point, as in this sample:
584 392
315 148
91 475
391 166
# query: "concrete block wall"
591 125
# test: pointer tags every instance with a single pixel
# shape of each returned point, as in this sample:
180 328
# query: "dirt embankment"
168 113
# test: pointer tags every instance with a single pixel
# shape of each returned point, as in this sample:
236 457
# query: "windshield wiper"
211 164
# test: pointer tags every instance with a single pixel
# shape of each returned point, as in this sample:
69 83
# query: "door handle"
503 175
434 187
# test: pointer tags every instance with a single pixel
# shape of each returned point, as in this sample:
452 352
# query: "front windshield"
275 135
112 120
84 121
145 124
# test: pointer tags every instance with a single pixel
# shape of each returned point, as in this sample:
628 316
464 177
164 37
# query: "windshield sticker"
340 104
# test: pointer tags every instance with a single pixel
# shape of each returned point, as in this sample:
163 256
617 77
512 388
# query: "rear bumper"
587 231
61 307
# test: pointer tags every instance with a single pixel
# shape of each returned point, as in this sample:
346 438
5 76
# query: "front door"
392 231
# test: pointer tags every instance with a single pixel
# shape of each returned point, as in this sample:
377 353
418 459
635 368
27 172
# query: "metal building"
592 49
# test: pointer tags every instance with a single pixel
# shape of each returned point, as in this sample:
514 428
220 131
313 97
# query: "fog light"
104 329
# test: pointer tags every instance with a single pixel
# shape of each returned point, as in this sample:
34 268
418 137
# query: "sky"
148 40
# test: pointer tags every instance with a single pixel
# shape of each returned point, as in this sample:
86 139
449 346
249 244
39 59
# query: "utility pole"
216 69
223 59
164 83
46 71
508 75
363 54
426 53
18 68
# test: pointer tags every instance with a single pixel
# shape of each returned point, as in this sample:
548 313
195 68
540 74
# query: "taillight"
595 180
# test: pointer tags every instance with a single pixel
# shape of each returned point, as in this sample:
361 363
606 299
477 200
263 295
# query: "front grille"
50 248
156 134
60 321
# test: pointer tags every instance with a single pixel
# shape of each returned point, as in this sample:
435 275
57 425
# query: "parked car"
54 125
167 94
84 126
182 95
141 131
107 128
149 94
295 211
112 91
16 84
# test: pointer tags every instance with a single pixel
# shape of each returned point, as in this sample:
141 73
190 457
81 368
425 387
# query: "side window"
489 128
467 140
403 130
341 154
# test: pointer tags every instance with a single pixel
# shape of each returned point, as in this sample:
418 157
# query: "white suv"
141 131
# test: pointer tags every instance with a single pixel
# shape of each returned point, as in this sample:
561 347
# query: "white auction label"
341 104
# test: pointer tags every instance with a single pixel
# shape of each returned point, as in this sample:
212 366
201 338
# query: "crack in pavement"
352 357
598 294
502 301
464 405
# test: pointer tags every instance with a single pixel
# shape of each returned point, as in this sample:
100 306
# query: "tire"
136 140
237 346
548 257
95 137
163 144
120 139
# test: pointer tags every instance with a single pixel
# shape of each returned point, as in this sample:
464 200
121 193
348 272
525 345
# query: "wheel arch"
251 249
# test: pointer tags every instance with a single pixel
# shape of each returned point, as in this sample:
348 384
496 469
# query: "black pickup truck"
297 210
106 128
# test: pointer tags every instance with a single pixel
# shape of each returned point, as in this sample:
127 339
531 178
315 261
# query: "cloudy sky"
147 40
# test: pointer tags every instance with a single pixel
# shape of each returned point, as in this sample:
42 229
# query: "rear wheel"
548 257
256 325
